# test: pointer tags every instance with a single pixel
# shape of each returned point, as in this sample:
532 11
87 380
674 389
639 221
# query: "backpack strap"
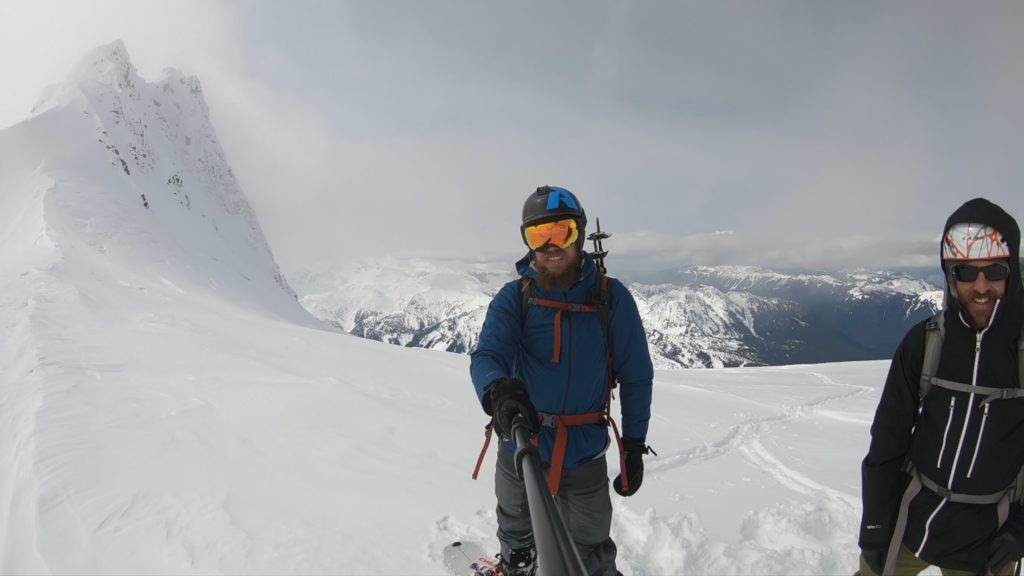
1002 500
1019 484
990 394
935 332
601 296
488 430
525 293
1020 358
599 303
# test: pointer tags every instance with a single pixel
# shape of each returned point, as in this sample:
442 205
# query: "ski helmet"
972 241
550 203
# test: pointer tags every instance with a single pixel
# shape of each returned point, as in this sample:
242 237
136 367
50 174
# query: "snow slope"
167 407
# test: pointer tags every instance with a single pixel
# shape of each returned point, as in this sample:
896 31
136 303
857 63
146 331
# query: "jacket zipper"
977 445
945 434
963 432
970 405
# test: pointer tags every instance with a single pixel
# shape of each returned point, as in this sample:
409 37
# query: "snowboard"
469 559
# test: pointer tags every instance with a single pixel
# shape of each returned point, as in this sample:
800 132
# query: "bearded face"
978 295
557 267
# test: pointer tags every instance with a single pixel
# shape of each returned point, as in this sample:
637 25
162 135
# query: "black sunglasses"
992 272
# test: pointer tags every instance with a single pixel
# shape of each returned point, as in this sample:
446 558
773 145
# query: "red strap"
480 459
557 352
560 306
561 439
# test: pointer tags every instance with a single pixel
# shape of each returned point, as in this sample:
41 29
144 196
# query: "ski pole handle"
520 432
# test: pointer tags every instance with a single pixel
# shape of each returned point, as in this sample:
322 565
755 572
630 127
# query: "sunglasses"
561 234
969 273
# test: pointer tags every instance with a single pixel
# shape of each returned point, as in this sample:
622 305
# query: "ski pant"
583 501
909 565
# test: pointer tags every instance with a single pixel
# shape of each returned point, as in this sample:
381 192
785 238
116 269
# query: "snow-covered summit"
135 170
102 69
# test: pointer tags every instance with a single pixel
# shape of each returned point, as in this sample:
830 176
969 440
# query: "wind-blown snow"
166 406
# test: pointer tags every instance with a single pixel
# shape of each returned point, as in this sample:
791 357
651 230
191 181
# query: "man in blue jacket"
552 346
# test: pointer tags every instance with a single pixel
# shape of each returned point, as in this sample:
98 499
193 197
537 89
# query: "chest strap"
1001 497
987 391
561 307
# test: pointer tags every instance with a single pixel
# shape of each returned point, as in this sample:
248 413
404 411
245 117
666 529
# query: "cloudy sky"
788 134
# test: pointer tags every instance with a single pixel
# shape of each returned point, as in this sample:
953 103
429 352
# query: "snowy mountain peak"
148 176
105 68
184 90
173 76
109 65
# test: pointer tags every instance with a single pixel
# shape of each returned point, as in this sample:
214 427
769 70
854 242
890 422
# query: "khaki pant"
909 565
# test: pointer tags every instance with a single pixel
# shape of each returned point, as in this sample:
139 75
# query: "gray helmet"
550 203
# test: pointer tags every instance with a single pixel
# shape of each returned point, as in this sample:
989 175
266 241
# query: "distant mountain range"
705 317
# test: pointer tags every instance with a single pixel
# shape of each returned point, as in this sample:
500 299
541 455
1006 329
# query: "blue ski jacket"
511 346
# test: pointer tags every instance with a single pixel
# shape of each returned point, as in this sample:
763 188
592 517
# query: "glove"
509 399
634 450
1008 545
874 558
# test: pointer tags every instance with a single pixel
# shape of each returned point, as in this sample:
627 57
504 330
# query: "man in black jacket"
940 475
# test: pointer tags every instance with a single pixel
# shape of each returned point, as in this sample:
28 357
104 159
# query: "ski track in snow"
771 541
807 535
745 439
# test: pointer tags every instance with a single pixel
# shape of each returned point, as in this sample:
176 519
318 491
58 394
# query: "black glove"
1008 544
874 558
508 399
634 450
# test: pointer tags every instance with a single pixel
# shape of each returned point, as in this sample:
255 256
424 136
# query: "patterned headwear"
972 241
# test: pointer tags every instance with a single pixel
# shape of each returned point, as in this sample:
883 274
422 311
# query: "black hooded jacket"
956 441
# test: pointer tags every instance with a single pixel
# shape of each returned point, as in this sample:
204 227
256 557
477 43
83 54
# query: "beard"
981 315
563 276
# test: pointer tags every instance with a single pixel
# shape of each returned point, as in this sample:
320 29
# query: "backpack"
935 332
599 303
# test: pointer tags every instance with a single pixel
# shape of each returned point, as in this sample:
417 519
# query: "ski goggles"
969 273
561 233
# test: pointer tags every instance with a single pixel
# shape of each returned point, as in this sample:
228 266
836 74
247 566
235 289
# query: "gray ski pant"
583 501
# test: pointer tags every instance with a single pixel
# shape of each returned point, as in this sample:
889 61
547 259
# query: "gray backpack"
935 332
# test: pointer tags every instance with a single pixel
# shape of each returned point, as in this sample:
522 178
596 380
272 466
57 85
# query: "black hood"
982 211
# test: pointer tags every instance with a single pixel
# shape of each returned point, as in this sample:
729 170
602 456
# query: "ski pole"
556 553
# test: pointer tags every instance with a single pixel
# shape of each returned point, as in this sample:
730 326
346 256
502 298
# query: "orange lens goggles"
561 233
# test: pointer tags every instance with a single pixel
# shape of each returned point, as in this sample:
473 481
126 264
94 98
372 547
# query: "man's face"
978 297
557 266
